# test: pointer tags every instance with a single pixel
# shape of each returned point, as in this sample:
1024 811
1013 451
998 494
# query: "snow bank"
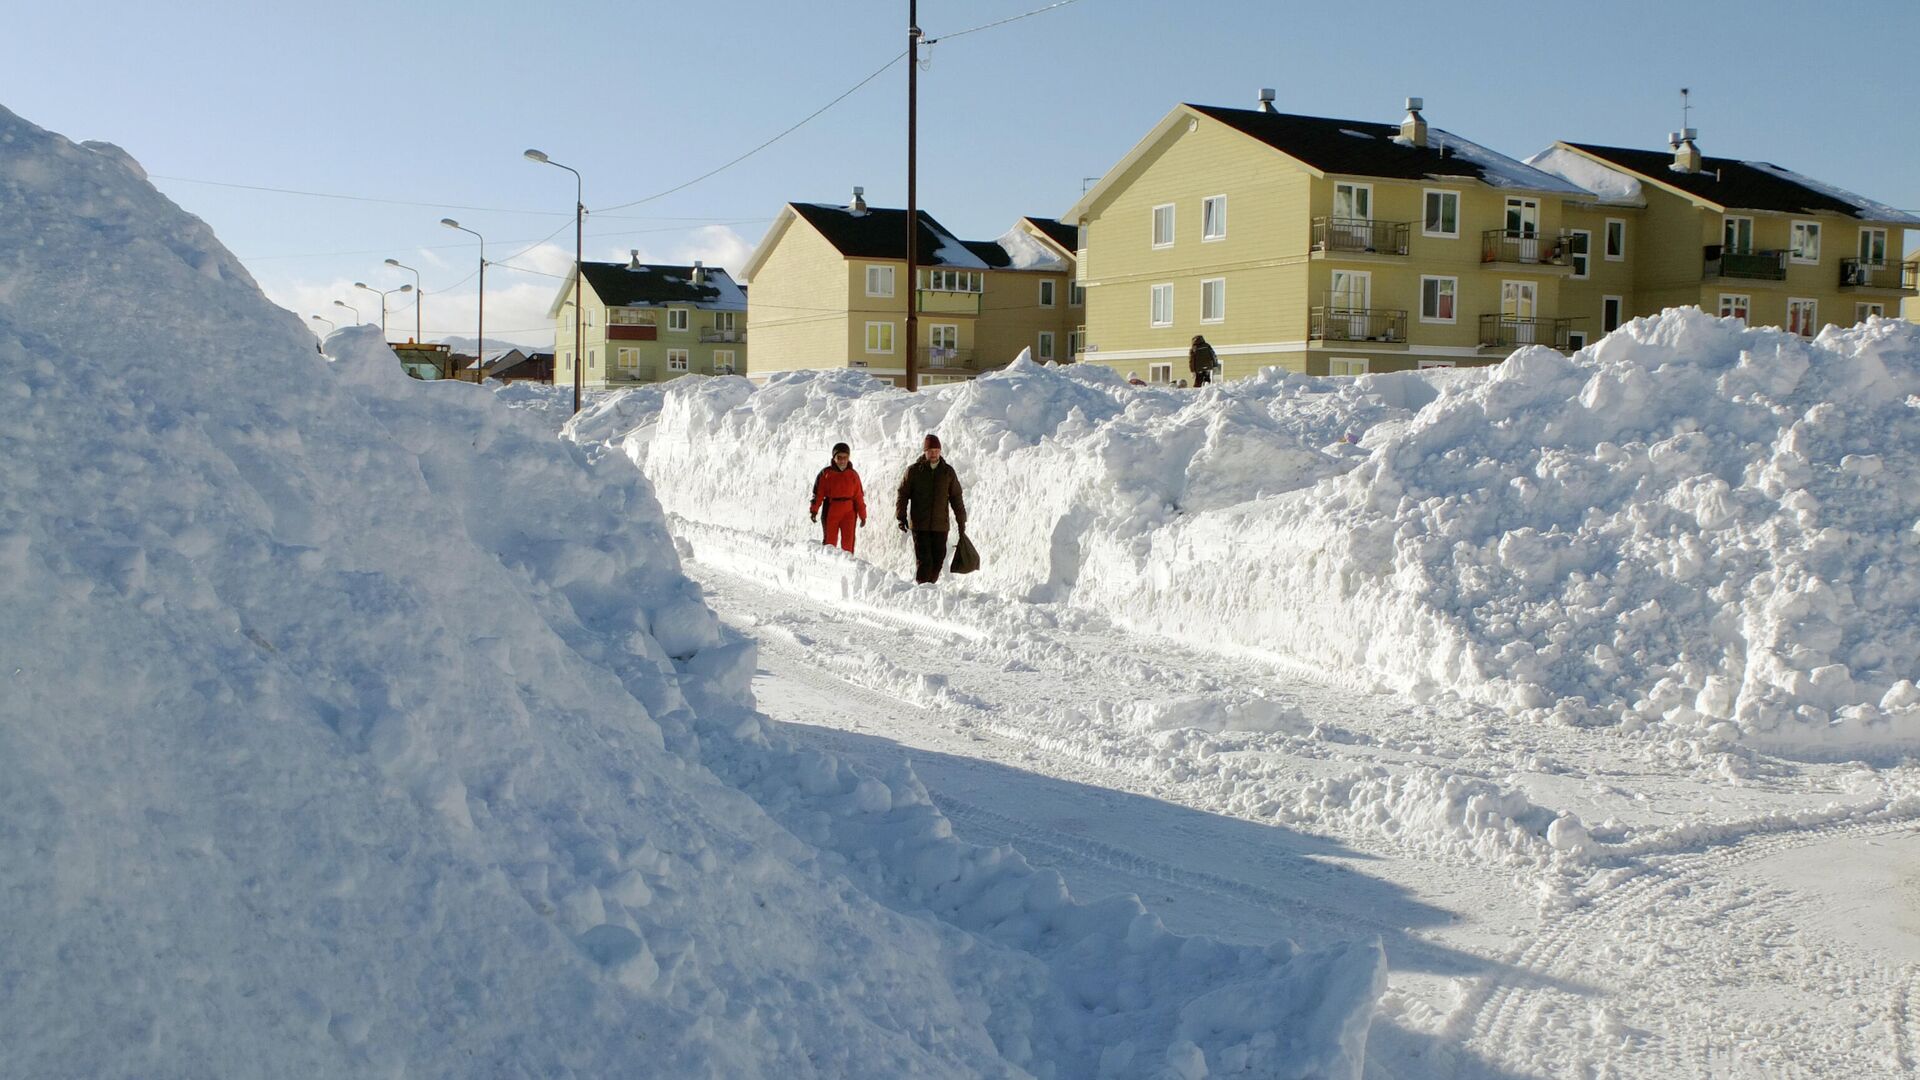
1690 523
352 724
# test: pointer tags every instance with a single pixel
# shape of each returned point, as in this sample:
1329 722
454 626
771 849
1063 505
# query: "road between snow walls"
352 725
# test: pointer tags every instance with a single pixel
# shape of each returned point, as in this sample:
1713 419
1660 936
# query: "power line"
1001 22
399 202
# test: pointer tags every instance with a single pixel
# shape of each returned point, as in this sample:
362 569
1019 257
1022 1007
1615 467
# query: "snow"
355 725
1866 208
1608 185
1027 252
1499 170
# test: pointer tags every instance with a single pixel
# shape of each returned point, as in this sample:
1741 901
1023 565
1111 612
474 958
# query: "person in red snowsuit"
838 490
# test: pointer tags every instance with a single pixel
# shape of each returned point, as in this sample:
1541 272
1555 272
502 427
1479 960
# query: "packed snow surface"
354 725
1692 524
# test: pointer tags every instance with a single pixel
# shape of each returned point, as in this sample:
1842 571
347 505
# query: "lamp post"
418 298
329 322
383 302
480 347
579 218
349 307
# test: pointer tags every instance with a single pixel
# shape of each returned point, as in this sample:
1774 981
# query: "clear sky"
433 102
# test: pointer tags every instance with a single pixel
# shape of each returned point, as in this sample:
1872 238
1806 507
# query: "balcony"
715 334
1360 236
1514 331
1077 341
1334 323
949 302
1910 276
632 332
1743 265
1858 274
940 357
1522 247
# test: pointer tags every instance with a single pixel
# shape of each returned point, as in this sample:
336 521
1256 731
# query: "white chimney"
1413 129
699 272
859 207
634 256
1266 99
1686 156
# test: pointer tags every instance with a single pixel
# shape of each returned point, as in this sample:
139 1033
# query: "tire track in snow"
1903 1026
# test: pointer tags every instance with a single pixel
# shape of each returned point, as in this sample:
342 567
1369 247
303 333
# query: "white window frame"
1154 292
678 320
1356 187
627 359
1864 311
1213 218
875 336
726 320
1153 227
1161 374
1581 256
1741 302
1076 294
723 358
1798 233
1428 365
957 281
1615 226
1450 321
566 361
950 332
1043 346
1810 326
1867 234
1619 313
593 359
1445 194
1350 365
1219 287
1576 340
880 280
1730 224
1049 292
679 359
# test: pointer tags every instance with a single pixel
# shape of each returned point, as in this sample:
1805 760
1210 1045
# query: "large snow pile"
354 725
1690 524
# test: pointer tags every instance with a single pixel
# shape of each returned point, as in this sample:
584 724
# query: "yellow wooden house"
648 322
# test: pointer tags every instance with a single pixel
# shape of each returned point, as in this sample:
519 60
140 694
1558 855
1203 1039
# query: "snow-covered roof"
1732 183
1608 185
1017 249
881 233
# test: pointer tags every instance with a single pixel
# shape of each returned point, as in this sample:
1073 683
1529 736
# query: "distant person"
1201 361
927 491
837 488
1134 379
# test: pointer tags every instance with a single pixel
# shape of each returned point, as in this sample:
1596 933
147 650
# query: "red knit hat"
932 442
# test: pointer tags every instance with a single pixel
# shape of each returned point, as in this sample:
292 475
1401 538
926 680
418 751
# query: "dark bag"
965 559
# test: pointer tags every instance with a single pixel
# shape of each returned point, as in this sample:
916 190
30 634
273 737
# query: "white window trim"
1745 301
1357 186
627 359
1426 365
934 334
1865 310
1813 307
1049 293
888 276
1581 344
685 356
1885 247
1164 370
1044 346
1820 239
1606 234
1153 290
1588 254
1424 231
1349 361
1620 305
1153 226
891 342
1076 294
593 359
1727 218
1436 320
683 315
1221 217
1222 317
724 358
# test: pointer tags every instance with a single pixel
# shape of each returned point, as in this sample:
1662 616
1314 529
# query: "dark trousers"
1203 377
929 554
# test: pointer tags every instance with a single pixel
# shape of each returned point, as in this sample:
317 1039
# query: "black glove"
903 526
813 516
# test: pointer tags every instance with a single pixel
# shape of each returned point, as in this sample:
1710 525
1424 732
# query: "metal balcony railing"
711 334
1862 274
1514 331
1526 247
1746 265
939 356
1362 235
1335 323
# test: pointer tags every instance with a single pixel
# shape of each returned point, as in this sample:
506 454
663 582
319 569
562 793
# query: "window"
964 281
628 360
1163 226
1609 314
723 362
1077 294
1873 247
593 359
1736 235
676 359
1803 317
1579 243
1213 218
1576 339
1213 300
879 337
1805 242
1523 218
1616 240
1437 295
1425 365
1353 202
1346 365
1443 214
1160 373
944 338
626 316
1045 351
1736 306
1162 312
725 320
566 361
1863 312
879 281
1047 287
677 318
589 318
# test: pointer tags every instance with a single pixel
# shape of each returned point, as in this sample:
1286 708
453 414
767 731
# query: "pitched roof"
1057 231
1365 148
989 252
1747 185
646 285
880 233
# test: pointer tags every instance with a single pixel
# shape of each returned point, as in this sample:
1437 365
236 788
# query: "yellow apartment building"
646 322
828 290
1321 245
1742 239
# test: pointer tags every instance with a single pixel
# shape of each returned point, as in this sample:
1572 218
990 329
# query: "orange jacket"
839 485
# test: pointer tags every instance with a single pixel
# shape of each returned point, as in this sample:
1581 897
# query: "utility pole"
913 204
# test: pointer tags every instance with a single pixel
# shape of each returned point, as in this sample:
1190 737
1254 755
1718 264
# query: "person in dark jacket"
928 490
1201 361
837 489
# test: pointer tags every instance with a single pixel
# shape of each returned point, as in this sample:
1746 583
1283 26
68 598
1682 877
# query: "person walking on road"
1201 361
837 489
928 490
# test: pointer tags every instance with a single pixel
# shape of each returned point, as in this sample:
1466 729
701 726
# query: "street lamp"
420 296
349 307
329 322
579 219
480 347
383 302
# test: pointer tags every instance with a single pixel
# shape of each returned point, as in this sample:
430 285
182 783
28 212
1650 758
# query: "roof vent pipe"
1686 156
1266 99
1414 129
859 206
699 272
634 255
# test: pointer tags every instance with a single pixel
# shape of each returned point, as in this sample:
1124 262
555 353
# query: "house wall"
651 359
1012 319
798 303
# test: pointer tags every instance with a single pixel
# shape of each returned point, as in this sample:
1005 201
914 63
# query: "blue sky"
433 103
